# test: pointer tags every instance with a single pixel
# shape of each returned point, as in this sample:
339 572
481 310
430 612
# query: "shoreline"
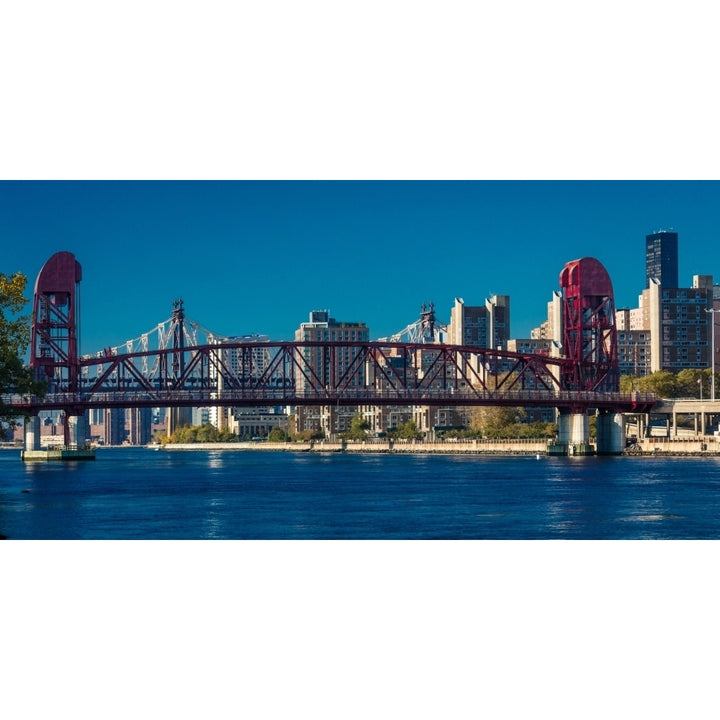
647 448
700 446
475 447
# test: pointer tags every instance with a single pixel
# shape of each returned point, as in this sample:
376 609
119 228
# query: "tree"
689 382
277 434
14 339
358 428
497 421
663 383
207 432
406 431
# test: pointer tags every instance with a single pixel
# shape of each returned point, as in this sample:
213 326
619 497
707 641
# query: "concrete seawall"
471 447
695 445
707 446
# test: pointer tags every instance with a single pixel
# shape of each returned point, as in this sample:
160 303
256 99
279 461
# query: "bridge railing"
330 396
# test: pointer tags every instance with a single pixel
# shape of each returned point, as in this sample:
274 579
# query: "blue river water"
139 493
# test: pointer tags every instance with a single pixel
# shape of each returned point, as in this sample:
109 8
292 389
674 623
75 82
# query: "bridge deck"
564 400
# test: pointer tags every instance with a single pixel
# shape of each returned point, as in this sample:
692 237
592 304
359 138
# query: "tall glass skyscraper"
661 258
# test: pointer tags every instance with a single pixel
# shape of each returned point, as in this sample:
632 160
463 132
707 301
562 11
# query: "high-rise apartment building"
114 426
139 425
661 258
246 363
672 326
633 342
329 368
670 330
680 327
486 326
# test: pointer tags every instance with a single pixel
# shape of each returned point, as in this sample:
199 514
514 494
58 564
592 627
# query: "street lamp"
712 351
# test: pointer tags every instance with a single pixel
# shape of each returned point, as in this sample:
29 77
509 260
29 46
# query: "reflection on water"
215 460
199 494
564 516
214 519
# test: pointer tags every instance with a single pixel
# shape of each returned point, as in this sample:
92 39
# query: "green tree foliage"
406 431
358 428
277 434
497 421
462 434
307 435
14 339
505 422
206 433
689 383
667 384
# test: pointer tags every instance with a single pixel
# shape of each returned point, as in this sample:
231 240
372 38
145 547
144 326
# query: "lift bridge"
181 364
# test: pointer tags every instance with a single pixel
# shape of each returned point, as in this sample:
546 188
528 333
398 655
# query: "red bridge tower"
589 333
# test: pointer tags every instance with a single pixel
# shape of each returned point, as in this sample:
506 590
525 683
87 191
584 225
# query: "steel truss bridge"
253 371
293 373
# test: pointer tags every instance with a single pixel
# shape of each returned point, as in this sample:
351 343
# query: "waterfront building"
482 326
328 367
680 326
671 328
201 415
245 363
633 342
139 425
114 426
674 324
486 326
251 423
532 345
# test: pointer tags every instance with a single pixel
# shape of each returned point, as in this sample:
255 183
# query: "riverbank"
697 446
474 447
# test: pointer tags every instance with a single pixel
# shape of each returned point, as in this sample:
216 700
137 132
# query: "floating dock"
54 454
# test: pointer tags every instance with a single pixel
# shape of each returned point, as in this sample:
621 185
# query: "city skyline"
257 257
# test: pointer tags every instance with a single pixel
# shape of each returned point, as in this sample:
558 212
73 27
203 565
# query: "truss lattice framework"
223 371
589 332
317 373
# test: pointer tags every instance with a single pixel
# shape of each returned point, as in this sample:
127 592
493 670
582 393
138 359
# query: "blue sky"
256 257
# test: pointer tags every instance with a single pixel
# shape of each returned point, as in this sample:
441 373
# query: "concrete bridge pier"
610 431
31 440
75 437
573 435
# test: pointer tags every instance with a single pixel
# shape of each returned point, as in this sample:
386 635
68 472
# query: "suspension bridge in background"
181 364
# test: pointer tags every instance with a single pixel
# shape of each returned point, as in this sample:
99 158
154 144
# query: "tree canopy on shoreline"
15 377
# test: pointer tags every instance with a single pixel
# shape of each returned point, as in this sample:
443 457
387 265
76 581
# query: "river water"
357 630
143 494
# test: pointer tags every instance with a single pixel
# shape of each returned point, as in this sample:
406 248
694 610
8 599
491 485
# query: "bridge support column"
32 433
610 433
573 435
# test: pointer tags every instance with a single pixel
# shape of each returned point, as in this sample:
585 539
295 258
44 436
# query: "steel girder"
320 373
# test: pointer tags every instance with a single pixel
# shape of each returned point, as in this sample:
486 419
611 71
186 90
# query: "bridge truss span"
251 371
319 373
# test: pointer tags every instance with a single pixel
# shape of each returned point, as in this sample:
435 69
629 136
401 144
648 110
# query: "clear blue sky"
256 257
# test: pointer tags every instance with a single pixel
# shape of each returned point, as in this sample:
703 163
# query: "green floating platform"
571 449
53 455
